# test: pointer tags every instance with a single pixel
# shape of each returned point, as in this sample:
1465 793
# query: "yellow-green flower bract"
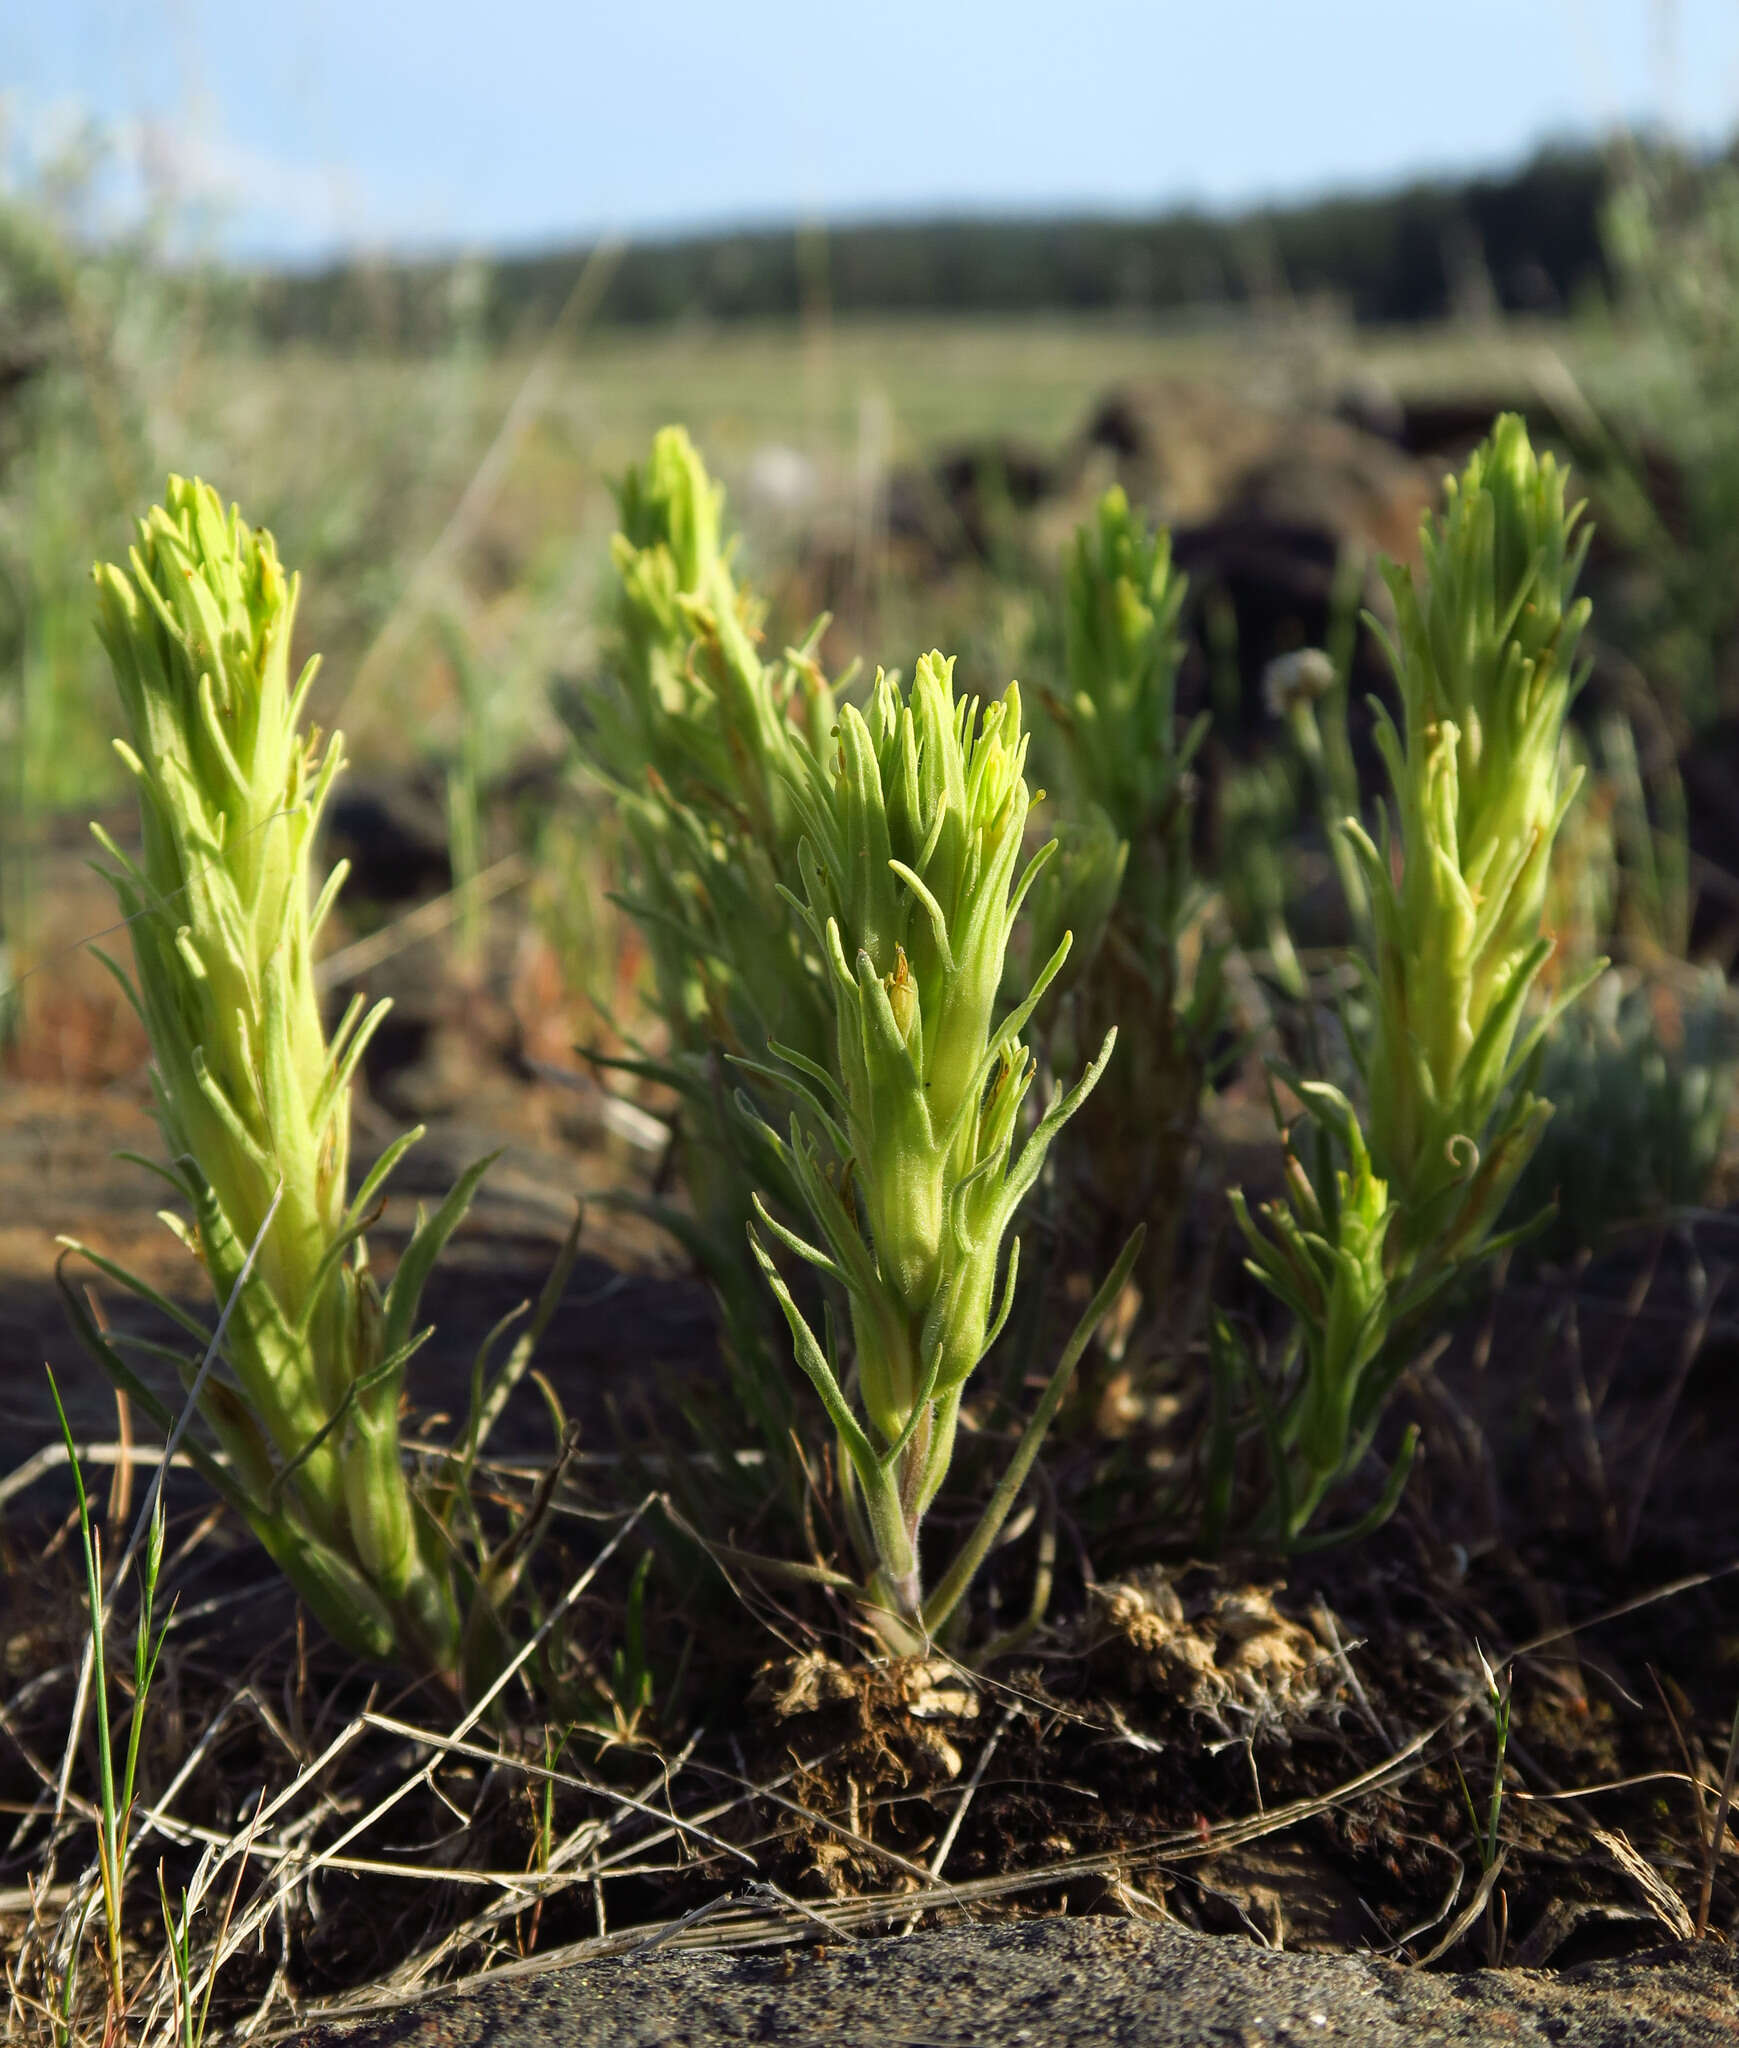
828 894
1483 658
253 1101
696 737
913 825
1484 661
1122 649
1124 878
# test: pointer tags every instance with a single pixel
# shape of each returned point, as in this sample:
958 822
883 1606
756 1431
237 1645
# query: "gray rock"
1082 1983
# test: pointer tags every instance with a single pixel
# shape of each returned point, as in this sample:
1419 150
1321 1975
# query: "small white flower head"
1296 678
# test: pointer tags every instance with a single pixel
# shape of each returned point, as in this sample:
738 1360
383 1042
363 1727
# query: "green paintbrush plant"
252 1098
1485 665
1129 883
749 796
699 736
698 739
1384 1211
910 1154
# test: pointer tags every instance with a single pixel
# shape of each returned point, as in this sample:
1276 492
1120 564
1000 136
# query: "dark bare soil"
629 1307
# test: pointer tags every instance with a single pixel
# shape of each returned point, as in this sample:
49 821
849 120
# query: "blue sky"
298 127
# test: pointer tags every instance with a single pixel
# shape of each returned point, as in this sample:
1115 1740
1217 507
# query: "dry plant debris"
1230 1657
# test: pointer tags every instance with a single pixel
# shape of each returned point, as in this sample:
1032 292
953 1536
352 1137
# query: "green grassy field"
475 486
451 514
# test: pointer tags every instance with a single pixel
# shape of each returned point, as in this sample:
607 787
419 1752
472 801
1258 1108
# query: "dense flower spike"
912 881
252 1099
1124 876
1484 662
697 738
828 894
1484 665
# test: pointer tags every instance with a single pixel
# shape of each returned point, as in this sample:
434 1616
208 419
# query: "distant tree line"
1527 241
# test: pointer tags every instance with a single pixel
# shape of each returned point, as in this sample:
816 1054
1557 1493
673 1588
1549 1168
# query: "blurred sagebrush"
1671 230
1642 1075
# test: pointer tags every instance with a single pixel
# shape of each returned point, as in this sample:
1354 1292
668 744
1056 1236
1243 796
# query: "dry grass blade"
450 1746
304 1866
56 1457
1396 1943
1470 1913
189 1409
951 1832
1660 1898
1723 1811
1629 1784
1706 1293
557 1873
427 921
